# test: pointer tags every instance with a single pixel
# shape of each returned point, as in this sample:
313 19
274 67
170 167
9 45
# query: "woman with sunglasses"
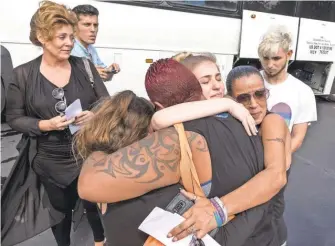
246 85
38 96
135 179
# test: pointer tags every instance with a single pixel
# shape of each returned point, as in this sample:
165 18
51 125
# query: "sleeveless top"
235 159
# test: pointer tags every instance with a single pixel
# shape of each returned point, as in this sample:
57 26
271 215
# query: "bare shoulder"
273 120
200 155
274 128
143 166
197 141
147 160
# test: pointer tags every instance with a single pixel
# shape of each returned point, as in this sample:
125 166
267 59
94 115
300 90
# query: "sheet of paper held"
158 224
72 111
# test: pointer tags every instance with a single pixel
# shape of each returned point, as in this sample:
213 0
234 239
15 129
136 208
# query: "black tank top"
235 158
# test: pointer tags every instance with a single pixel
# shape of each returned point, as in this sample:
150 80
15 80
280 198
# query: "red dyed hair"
169 82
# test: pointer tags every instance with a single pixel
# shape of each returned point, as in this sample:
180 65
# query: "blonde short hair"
47 18
181 56
275 38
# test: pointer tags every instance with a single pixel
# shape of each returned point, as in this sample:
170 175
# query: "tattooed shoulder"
197 141
145 161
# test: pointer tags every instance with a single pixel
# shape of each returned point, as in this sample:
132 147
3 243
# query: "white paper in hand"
72 111
160 222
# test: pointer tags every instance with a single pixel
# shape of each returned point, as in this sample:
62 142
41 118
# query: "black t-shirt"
235 158
54 158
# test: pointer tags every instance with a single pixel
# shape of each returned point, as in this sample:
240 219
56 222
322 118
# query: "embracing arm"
149 164
262 187
235 233
189 111
240 229
199 109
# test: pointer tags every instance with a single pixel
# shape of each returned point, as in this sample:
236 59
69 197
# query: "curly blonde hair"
47 18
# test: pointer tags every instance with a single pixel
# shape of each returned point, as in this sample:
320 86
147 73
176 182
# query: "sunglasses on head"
260 94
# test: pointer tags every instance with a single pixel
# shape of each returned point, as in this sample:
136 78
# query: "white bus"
136 33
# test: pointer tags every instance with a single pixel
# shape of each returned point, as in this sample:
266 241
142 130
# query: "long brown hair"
118 122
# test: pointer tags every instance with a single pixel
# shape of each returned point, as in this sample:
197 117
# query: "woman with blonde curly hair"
38 96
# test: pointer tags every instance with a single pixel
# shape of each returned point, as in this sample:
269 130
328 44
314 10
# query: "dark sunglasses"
60 107
260 94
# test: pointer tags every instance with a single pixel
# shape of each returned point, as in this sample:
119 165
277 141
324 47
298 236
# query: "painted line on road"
326 171
9 159
9 133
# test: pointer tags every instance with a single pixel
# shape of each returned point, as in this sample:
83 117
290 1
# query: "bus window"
318 10
228 6
272 7
144 3
219 8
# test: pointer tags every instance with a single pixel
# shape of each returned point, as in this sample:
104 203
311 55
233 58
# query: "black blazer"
20 113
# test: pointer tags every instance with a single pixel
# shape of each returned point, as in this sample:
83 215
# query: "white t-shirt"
293 100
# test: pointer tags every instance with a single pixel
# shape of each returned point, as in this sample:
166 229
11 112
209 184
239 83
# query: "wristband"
224 209
219 212
218 219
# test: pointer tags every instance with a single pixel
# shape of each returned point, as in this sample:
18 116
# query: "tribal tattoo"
198 141
149 159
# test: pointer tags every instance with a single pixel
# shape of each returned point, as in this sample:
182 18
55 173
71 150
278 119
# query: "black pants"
94 221
64 200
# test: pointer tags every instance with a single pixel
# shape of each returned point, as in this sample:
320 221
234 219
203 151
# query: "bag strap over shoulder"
188 173
88 70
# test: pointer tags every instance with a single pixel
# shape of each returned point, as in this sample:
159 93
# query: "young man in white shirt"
289 97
